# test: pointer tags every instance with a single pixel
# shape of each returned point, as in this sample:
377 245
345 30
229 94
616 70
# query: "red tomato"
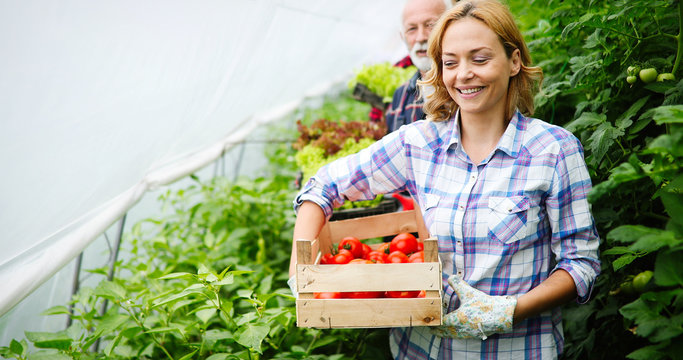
420 246
397 257
327 295
418 256
422 294
384 248
377 257
405 242
353 245
366 249
402 294
327 259
342 257
362 294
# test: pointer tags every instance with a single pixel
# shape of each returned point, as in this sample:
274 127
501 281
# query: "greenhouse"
156 155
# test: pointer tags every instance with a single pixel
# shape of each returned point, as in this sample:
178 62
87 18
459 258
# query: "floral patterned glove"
478 316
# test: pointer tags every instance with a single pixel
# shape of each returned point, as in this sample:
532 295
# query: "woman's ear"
515 63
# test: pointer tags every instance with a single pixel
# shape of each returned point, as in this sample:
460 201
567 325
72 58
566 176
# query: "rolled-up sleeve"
575 239
361 176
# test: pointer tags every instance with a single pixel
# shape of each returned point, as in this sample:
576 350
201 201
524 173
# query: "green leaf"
48 340
669 268
667 114
617 250
602 139
624 120
226 280
109 349
253 336
206 314
585 121
111 322
56 310
218 356
176 275
649 352
163 329
654 242
672 198
110 290
48 355
17 348
189 356
623 260
214 335
192 289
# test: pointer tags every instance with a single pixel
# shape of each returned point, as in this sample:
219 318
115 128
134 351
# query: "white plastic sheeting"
101 101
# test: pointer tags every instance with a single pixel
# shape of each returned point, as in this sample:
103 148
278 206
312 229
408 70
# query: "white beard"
423 63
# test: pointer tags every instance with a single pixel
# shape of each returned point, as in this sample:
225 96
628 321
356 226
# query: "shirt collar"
511 141
412 83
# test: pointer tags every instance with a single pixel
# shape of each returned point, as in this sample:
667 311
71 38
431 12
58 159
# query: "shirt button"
473 177
461 207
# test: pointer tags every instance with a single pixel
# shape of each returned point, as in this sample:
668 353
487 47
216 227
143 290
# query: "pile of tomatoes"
403 248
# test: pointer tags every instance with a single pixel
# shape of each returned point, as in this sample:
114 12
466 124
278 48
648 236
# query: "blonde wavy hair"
439 105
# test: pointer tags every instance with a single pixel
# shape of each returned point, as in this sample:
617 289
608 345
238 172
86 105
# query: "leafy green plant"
631 132
382 78
206 281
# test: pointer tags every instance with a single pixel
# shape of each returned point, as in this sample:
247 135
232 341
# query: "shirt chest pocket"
512 218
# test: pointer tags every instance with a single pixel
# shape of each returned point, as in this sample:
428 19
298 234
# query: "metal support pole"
74 287
239 161
112 267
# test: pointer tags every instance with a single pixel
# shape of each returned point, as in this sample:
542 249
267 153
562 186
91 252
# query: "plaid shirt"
377 114
505 224
406 106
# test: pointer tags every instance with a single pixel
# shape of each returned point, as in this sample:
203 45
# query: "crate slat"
368 313
368 277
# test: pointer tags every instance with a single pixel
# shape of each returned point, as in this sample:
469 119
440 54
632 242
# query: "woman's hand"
479 315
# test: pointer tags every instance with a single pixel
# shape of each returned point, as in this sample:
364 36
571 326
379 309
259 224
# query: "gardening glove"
292 286
478 316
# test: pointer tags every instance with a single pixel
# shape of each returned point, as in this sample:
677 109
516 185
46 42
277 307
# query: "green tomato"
665 76
641 280
631 79
648 75
632 70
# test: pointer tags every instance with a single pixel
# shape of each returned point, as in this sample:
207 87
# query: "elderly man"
418 18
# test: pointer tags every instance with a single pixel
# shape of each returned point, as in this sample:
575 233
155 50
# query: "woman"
505 194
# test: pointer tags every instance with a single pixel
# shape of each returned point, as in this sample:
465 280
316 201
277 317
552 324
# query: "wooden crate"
368 313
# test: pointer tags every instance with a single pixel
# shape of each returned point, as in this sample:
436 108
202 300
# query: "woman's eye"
479 60
449 63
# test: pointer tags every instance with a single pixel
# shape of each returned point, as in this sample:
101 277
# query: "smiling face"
476 69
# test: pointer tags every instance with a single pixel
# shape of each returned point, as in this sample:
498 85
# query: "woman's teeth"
471 91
